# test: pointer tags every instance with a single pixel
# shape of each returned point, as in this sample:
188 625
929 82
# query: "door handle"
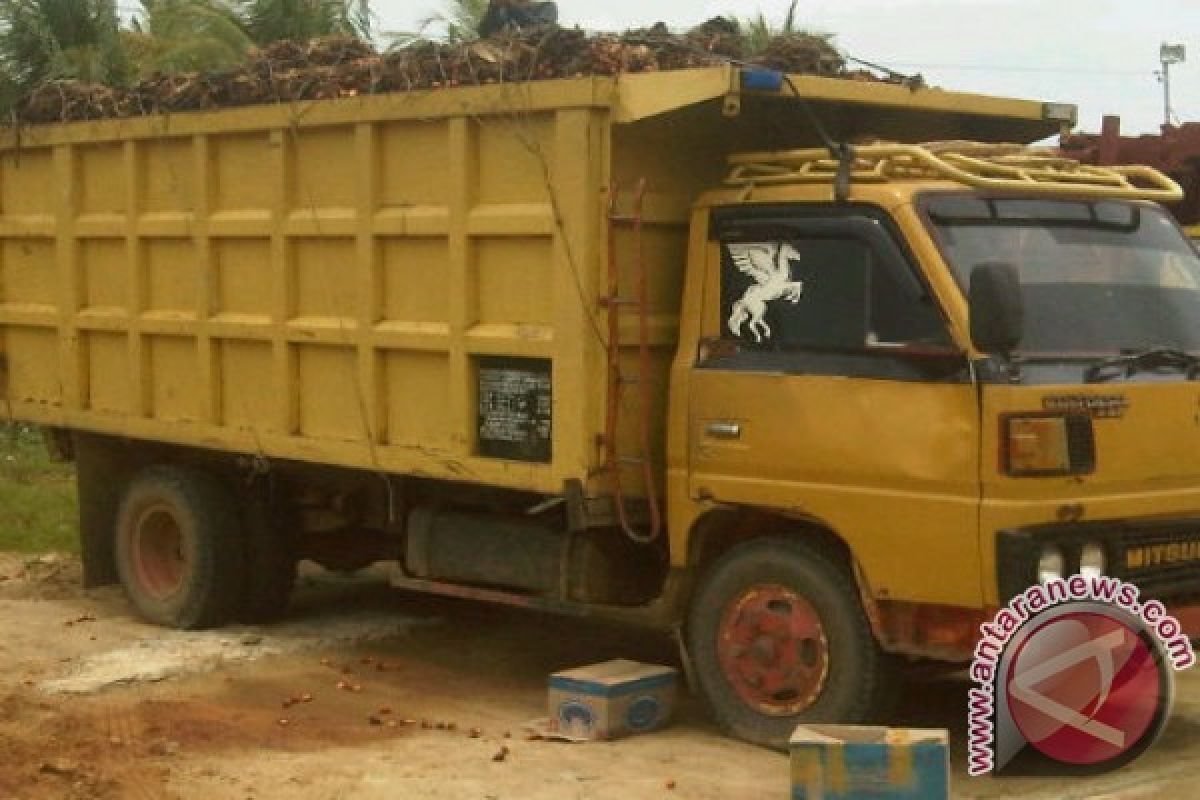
724 430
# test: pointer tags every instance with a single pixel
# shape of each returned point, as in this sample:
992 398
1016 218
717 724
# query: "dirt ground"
398 696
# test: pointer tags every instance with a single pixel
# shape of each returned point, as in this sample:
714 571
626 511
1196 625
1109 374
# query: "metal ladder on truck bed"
614 302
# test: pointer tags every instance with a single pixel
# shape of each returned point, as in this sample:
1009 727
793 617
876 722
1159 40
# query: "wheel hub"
773 650
159 560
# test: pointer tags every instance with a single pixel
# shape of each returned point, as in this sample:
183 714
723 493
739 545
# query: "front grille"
1167 577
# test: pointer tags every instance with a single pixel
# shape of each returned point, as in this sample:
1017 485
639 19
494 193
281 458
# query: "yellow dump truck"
617 347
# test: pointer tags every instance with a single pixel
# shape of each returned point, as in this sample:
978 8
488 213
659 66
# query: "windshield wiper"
1129 364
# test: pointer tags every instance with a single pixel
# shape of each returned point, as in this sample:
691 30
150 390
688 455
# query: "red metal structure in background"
1175 151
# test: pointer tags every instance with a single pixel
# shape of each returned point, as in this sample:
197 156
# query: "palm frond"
47 39
269 21
789 22
182 35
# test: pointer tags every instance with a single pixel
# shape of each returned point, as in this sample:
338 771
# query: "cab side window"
821 293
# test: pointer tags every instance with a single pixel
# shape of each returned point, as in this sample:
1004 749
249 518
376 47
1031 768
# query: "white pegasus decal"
769 265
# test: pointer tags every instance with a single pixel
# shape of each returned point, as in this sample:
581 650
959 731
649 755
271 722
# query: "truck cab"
926 396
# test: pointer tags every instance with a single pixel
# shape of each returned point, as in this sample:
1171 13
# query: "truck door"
826 386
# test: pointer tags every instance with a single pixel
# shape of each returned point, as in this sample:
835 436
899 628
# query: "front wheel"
778 638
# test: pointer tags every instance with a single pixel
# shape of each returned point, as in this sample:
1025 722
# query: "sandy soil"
433 694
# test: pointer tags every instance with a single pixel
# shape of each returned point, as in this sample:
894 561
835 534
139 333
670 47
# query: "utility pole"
1168 56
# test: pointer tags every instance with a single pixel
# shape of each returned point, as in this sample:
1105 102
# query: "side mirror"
996 308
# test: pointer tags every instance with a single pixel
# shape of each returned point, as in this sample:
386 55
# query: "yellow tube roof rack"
1004 167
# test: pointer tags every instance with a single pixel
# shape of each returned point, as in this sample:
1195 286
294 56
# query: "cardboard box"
840 762
613 699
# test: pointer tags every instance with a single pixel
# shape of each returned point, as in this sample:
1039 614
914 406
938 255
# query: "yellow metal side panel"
109 382
167 176
27 303
519 154
462 175
19 172
413 298
245 177
515 283
27 279
323 281
579 172
32 357
176 393
408 153
417 386
319 175
330 405
246 391
65 201
242 284
103 273
101 179
320 292
171 277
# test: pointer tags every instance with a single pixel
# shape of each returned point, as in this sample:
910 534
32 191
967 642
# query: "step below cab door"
826 386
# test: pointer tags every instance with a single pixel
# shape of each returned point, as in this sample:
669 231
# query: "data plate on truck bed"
515 408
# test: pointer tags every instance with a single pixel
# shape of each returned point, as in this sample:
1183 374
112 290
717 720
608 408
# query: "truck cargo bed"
409 283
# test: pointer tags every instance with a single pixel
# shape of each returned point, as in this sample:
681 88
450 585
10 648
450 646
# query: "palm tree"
47 39
184 35
269 21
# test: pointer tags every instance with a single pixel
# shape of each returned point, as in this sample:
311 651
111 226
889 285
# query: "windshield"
1097 277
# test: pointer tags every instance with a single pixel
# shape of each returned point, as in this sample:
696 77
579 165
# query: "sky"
1101 55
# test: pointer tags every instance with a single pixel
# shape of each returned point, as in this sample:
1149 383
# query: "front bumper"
1161 557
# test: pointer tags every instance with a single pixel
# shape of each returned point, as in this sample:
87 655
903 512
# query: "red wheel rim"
159 558
773 650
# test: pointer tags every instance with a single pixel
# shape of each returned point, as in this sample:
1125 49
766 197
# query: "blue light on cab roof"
761 80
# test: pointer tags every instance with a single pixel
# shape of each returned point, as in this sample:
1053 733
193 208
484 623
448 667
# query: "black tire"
270 562
178 548
857 678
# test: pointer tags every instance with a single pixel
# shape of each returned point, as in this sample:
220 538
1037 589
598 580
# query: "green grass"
37 495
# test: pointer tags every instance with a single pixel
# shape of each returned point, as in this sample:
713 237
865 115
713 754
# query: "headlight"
1050 565
1091 560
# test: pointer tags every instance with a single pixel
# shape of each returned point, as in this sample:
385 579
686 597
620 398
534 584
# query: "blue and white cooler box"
847 762
613 699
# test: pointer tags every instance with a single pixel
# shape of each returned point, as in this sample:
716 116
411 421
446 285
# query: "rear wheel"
778 637
178 548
